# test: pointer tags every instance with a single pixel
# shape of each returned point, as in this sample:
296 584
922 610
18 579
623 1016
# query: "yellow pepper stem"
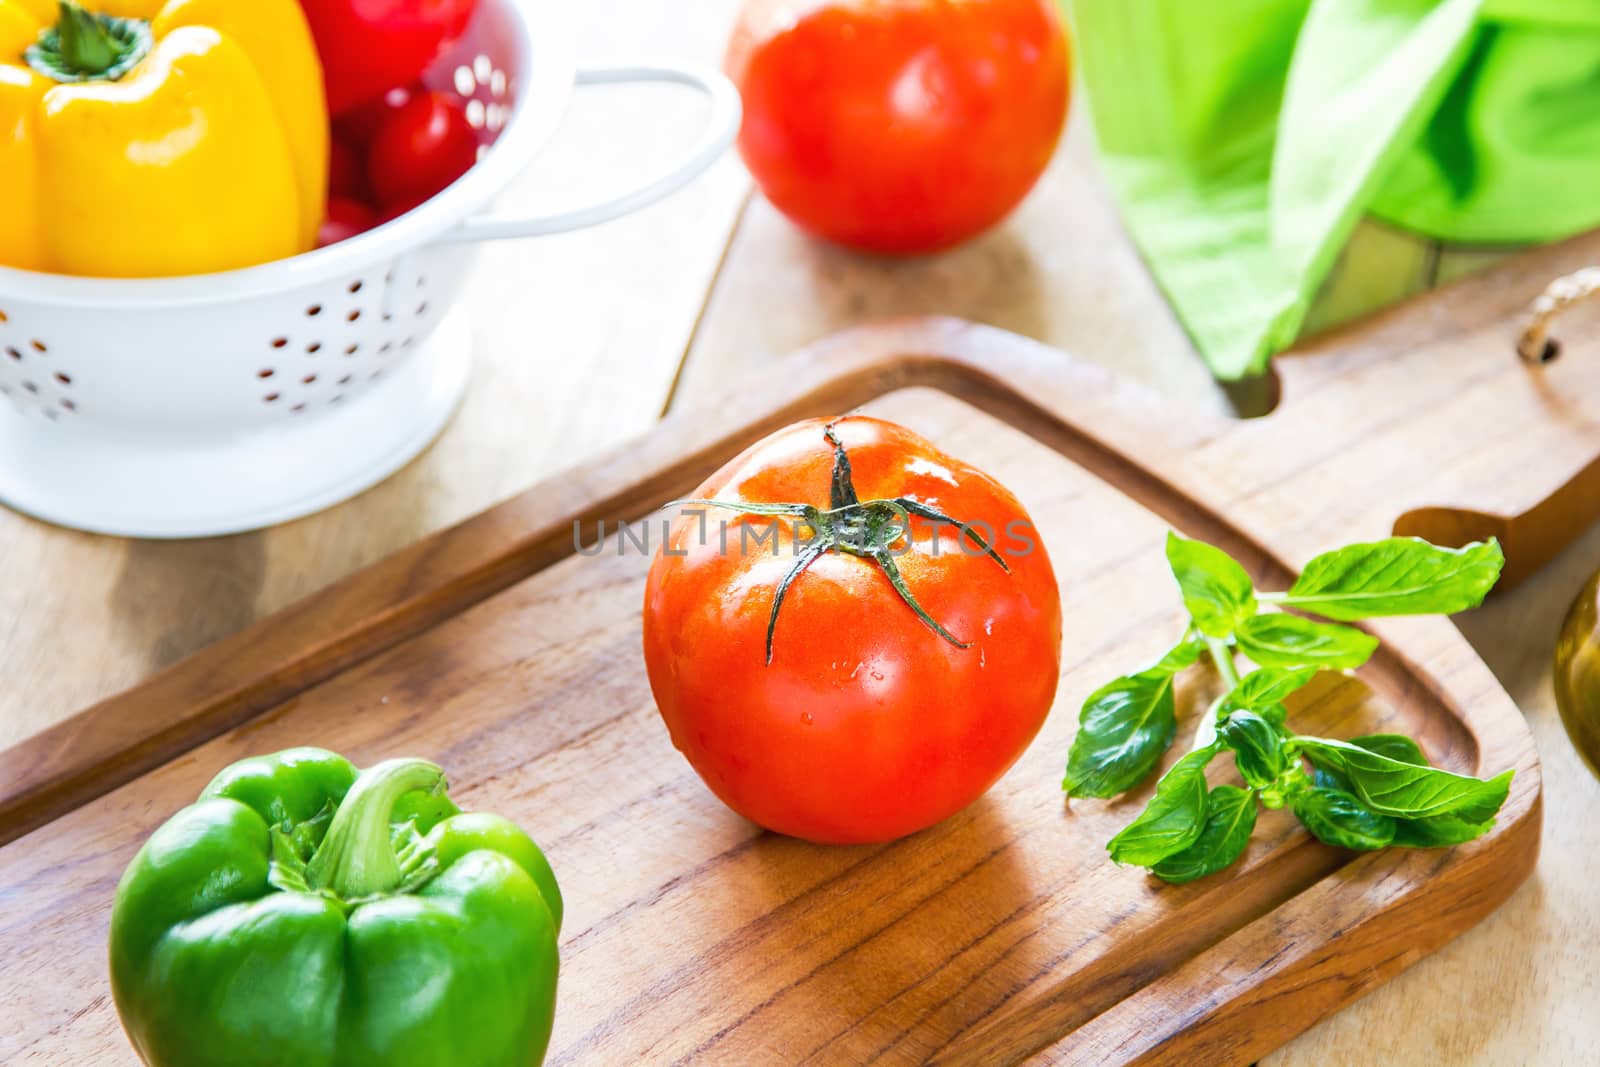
83 46
86 47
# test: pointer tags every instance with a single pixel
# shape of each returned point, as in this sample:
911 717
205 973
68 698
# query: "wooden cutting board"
1002 933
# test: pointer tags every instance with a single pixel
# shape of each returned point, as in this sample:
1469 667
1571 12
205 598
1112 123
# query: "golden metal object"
1577 673
1536 345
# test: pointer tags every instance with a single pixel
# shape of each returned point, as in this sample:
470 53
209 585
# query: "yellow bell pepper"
158 137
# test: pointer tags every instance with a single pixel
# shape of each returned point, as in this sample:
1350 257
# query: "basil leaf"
1230 819
1279 640
1257 748
1216 590
1393 787
1205 733
1185 653
1400 576
1441 831
1395 746
1323 778
1174 817
1268 686
1125 727
1336 818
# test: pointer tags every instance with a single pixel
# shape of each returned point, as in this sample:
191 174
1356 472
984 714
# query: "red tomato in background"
866 725
369 46
359 125
899 127
346 218
347 173
417 149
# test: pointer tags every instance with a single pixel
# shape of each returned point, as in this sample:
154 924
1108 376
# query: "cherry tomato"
369 45
347 175
345 219
870 721
899 127
418 149
359 125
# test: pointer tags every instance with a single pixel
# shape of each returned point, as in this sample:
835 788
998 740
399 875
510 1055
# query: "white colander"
184 407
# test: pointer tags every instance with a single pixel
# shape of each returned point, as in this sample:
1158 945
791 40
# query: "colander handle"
718 133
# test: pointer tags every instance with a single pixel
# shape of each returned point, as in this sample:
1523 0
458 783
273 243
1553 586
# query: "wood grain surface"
1416 416
1002 932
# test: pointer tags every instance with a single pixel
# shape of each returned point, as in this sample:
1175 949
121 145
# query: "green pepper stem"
357 859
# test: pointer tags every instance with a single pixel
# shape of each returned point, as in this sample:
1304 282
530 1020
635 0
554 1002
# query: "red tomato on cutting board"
899 126
867 724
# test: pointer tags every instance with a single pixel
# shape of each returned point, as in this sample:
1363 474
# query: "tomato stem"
843 492
865 529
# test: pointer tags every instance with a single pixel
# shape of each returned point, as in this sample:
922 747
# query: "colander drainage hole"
422 309
355 287
271 398
4 318
38 346
313 348
355 314
70 405
336 398
30 387
314 310
345 380
11 350
280 342
64 379
310 379
265 372
351 350
297 409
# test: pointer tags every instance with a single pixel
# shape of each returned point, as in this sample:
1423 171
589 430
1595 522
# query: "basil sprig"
1366 793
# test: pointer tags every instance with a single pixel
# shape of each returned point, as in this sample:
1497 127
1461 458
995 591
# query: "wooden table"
582 341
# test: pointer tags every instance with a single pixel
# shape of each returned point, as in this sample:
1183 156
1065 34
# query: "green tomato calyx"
867 529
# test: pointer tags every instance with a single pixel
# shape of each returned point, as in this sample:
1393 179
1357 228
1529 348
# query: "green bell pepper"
303 913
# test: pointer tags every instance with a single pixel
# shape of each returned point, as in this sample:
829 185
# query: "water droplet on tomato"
805 717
